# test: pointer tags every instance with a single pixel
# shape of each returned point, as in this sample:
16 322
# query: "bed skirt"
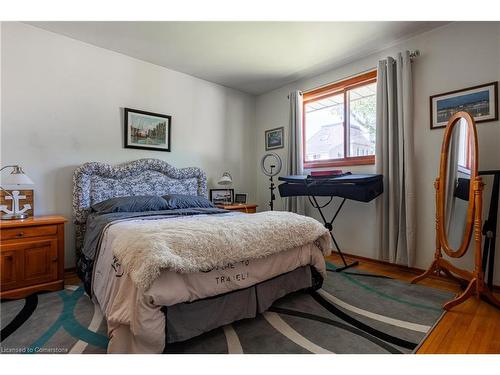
190 319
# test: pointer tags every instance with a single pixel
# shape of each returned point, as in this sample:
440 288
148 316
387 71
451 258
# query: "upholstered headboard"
95 182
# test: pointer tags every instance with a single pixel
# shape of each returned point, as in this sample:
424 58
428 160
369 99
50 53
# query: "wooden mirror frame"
442 182
474 279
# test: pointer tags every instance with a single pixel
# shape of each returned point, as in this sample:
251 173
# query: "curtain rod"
413 55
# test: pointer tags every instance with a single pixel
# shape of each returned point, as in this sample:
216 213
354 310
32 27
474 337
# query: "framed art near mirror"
459 199
481 102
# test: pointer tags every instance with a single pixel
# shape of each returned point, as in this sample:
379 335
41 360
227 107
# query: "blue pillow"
175 201
131 204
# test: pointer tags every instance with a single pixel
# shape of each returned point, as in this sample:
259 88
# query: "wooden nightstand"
246 208
31 255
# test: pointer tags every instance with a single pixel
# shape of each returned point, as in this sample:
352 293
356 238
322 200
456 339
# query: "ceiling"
254 57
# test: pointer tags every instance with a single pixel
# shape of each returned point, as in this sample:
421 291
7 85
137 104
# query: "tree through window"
339 123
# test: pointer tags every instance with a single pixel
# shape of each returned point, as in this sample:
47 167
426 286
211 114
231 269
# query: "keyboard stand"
329 226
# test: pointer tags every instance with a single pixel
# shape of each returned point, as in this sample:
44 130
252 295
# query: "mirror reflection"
457 184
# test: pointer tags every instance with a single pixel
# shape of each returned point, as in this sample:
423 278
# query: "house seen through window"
339 123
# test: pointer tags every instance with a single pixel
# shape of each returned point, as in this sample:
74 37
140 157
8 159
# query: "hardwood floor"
472 327
70 277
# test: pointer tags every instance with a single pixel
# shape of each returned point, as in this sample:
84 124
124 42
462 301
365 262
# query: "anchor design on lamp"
16 177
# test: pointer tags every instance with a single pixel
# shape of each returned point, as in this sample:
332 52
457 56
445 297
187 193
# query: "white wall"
62 106
61 103
454 56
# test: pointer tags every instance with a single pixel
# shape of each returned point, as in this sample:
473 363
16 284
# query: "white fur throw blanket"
200 243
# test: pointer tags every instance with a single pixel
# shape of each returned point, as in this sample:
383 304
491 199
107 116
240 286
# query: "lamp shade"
226 179
17 177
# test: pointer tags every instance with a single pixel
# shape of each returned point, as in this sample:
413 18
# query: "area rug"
353 312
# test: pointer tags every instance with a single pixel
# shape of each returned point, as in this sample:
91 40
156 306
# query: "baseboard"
413 270
378 261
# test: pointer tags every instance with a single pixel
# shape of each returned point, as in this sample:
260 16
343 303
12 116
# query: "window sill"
357 160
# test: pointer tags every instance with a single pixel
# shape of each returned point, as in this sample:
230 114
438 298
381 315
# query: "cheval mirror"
459 199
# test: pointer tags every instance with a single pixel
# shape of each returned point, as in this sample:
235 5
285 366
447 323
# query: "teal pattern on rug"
52 323
351 313
381 294
67 321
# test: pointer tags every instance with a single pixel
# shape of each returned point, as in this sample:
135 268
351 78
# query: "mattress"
135 317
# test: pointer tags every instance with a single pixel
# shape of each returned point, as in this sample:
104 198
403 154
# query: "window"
339 123
464 150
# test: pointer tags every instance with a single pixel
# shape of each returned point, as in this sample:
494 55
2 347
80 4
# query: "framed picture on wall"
274 138
222 196
480 101
147 130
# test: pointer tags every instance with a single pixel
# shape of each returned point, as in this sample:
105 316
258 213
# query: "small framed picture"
274 138
480 101
222 196
240 198
147 130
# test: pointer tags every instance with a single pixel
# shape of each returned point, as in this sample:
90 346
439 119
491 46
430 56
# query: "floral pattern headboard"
95 182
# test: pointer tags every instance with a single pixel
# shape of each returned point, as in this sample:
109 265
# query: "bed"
171 274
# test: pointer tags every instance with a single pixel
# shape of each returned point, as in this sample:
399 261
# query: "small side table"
245 208
31 255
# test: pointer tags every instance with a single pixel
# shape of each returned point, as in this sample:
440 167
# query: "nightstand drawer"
26 232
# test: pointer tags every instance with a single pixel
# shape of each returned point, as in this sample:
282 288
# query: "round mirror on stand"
459 192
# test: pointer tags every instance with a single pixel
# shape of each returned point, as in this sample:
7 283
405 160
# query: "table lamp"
226 179
16 177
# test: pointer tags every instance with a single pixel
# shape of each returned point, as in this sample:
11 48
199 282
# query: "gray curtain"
394 160
295 161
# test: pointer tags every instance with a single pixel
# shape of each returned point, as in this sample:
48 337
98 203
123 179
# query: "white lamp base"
14 216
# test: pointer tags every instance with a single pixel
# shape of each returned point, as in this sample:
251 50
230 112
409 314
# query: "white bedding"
202 242
135 322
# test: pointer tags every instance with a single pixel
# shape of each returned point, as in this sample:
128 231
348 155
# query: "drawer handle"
54 259
20 234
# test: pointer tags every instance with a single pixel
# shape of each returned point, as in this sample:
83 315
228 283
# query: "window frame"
326 91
